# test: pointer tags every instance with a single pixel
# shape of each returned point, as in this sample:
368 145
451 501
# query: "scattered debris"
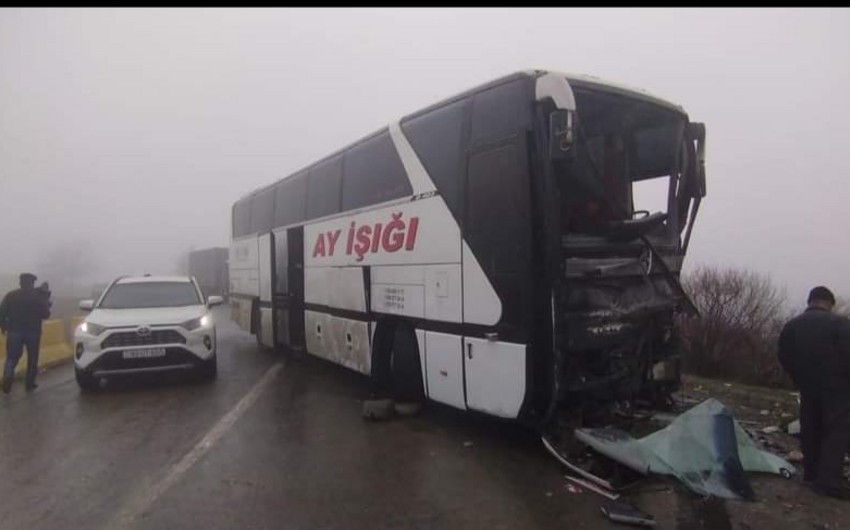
594 488
727 385
795 456
548 493
770 430
407 409
621 512
764 412
573 489
704 448
794 428
378 409
664 417
574 468
468 444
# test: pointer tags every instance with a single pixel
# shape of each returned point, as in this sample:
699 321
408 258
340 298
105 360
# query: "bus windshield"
624 145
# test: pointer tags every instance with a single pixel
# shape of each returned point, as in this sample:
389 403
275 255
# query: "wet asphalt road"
274 442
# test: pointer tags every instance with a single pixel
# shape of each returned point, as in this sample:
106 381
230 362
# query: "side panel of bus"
244 280
452 263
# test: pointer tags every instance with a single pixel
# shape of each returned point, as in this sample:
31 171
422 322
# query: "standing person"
21 313
814 349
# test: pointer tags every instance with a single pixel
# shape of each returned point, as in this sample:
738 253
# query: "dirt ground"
782 503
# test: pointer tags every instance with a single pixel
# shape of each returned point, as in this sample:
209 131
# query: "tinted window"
373 173
281 258
290 204
323 188
440 143
242 217
498 226
262 211
501 111
497 222
150 294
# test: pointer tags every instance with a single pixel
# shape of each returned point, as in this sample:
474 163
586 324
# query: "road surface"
277 442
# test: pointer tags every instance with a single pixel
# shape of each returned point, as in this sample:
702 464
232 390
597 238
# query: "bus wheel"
257 325
408 388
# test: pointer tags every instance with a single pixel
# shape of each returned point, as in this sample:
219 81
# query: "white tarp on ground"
705 448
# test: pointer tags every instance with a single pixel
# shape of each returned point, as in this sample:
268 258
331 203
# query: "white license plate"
144 353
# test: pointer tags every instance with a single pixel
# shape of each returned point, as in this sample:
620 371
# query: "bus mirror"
560 134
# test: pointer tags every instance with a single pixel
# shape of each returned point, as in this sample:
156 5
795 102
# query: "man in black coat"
814 349
21 313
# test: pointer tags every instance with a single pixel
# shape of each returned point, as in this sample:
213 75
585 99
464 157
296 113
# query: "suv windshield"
150 294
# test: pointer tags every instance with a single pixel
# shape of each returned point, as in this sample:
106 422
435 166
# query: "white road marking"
141 503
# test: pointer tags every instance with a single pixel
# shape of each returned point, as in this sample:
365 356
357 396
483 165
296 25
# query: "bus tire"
257 326
408 387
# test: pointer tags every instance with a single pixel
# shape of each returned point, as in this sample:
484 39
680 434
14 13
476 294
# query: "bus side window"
323 188
373 173
440 139
290 200
242 217
262 211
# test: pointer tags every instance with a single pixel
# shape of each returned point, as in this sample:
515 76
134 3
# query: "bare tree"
741 315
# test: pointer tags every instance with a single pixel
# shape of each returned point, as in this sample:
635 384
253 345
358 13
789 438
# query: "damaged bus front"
612 264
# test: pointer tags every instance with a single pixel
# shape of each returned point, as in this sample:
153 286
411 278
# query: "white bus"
486 252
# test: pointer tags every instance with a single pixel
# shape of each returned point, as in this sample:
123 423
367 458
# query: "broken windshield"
626 165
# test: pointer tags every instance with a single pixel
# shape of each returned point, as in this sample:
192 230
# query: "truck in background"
209 267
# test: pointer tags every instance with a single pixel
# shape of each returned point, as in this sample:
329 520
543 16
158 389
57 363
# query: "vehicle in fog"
146 324
494 240
209 267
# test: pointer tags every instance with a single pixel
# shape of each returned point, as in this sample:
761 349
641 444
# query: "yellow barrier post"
54 349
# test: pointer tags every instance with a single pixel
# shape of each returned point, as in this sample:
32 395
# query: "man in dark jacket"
814 349
21 313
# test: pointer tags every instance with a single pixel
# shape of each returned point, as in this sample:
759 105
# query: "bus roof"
576 80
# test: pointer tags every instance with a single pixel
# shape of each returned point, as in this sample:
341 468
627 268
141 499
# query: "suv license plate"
144 354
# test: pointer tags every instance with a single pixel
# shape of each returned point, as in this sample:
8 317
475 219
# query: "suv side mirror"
561 134
215 300
87 305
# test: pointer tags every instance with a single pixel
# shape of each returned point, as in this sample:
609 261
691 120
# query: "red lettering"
411 233
319 248
376 238
363 241
332 238
393 236
350 241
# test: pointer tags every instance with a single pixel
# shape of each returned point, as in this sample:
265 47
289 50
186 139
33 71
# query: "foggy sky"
130 133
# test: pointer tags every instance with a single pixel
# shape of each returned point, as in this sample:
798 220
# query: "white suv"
143 325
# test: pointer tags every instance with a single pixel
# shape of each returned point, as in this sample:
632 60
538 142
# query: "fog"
126 135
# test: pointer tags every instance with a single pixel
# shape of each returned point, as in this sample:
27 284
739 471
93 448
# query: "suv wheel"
86 381
208 370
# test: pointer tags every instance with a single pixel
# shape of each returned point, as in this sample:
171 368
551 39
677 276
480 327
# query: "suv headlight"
196 323
91 328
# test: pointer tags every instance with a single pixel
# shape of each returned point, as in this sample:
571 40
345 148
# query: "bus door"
266 333
497 227
289 287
